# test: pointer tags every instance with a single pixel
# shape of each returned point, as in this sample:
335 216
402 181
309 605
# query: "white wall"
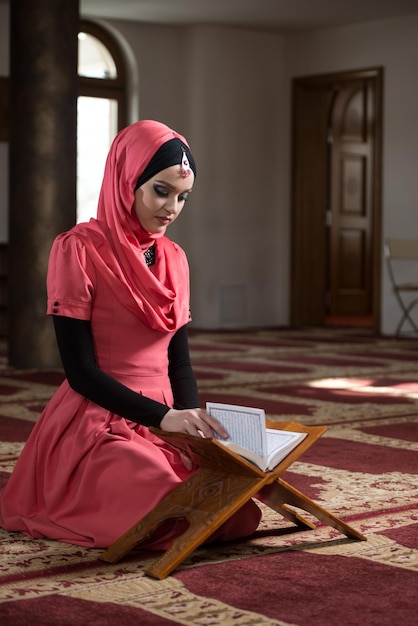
238 214
4 150
392 44
228 91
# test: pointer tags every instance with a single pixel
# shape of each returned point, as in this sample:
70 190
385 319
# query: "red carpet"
364 470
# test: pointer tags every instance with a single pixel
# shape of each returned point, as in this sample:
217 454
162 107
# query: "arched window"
101 110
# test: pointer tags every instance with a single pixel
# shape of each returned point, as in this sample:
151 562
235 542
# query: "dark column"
43 118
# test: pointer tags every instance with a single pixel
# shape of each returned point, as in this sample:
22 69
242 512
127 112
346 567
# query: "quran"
249 437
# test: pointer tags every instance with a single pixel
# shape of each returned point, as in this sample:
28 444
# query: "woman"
118 291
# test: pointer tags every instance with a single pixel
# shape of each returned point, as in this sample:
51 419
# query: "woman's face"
159 201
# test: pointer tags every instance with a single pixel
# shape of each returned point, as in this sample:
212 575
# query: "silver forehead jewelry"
185 169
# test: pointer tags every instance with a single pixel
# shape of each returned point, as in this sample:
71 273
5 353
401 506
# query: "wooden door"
336 180
350 207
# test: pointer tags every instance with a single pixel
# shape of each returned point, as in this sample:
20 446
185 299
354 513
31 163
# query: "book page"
278 439
280 443
246 426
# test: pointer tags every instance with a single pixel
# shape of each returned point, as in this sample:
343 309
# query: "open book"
249 437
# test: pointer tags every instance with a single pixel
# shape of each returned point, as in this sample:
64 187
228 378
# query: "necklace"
149 255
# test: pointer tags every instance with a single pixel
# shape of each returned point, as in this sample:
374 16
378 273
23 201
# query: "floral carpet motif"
364 470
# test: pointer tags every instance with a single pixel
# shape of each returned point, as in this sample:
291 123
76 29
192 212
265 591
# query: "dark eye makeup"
163 193
160 191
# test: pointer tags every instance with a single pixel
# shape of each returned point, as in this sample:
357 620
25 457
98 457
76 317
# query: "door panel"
351 202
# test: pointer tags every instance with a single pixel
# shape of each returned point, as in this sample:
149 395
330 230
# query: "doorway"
336 199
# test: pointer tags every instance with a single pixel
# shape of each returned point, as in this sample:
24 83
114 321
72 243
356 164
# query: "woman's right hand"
192 422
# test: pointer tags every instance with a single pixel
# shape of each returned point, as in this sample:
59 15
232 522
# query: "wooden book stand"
222 484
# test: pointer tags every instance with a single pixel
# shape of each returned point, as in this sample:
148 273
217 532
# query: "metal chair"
402 263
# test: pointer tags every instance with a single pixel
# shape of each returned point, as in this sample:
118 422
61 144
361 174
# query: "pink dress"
87 475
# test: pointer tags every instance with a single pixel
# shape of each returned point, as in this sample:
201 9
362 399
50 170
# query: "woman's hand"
192 422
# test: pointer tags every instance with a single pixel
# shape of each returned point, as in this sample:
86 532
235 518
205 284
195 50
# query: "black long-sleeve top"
75 344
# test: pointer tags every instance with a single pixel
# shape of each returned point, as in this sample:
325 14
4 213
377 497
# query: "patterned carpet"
364 470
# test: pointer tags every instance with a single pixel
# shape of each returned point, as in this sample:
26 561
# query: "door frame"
311 98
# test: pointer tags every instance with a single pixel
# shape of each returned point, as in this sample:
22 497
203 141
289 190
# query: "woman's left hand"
192 422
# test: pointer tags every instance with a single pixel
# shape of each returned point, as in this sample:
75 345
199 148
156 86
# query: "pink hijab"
158 296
